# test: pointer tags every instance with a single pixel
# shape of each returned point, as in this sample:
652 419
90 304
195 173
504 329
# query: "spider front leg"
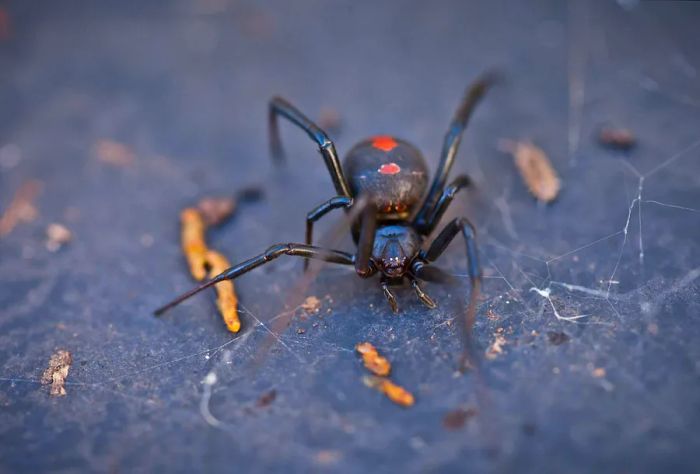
463 226
315 214
273 252
279 106
427 224
453 137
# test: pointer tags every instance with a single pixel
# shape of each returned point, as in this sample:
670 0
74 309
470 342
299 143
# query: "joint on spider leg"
390 297
427 300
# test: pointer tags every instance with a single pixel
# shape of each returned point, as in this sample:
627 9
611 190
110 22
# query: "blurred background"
117 115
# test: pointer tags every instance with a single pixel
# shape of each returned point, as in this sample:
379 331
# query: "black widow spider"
392 175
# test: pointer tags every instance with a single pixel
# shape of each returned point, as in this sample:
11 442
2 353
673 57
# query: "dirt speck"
216 210
598 372
21 208
114 153
456 419
57 372
311 304
266 399
617 138
496 347
557 338
57 235
327 457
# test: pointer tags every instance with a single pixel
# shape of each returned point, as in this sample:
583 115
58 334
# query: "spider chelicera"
391 177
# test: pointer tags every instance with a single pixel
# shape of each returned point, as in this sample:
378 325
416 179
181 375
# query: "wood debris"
57 235
375 363
193 244
393 392
381 367
114 153
21 208
535 168
617 138
226 300
57 372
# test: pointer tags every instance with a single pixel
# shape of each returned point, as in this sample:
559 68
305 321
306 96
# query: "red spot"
384 143
389 168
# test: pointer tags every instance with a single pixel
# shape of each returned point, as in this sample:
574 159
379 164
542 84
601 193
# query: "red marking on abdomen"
389 168
384 143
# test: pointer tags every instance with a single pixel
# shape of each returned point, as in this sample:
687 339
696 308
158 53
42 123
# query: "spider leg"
390 296
279 106
425 299
298 250
432 219
453 137
436 249
320 211
365 243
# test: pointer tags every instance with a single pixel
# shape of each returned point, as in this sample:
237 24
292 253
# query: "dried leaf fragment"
375 363
193 244
57 372
226 300
536 170
114 153
57 235
21 208
393 392
617 138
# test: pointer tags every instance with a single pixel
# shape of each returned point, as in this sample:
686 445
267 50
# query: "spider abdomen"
392 172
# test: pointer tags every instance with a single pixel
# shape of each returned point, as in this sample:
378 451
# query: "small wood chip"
375 363
617 138
57 372
193 244
21 208
57 235
114 153
456 419
226 300
536 170
216 210
393 392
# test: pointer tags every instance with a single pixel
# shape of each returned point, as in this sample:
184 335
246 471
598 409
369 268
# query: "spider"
398 210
